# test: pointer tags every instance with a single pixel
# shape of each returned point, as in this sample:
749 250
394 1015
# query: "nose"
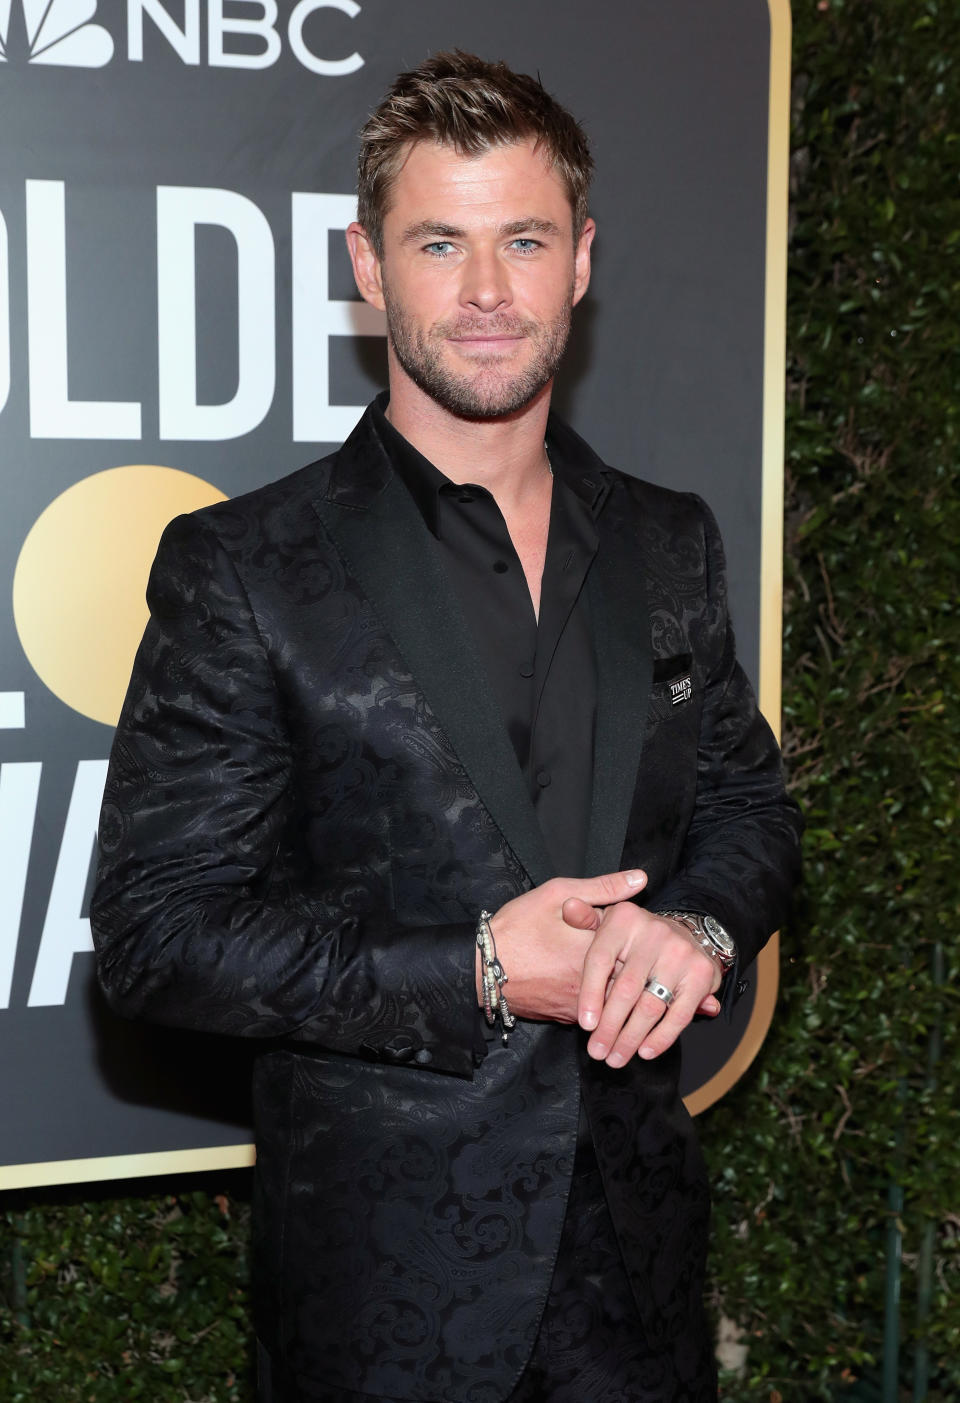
486 283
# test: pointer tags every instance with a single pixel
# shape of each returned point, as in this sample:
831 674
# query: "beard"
490 389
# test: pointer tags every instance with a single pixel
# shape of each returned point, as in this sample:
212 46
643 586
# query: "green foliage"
841 1101
144 1295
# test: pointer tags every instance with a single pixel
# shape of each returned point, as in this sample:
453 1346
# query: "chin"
472 401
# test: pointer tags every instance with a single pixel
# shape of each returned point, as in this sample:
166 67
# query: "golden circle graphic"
78 589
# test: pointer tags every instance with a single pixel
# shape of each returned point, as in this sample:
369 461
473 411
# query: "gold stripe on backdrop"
78 1171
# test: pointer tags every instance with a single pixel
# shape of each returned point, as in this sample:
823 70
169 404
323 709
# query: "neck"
506 455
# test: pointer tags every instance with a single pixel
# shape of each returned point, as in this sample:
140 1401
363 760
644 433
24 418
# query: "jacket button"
424 1057
742 986
543 778
398 1050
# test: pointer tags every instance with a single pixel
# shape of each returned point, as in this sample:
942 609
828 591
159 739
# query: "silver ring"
659 991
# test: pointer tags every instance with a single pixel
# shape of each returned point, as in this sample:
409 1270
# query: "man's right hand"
542 955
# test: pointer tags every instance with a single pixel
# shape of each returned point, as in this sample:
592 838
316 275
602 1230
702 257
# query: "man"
459 667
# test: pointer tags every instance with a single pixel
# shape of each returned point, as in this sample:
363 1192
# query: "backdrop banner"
178 323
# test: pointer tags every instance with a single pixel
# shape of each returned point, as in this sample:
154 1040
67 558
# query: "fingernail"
588 1019
597 1050
646 1053
636 878
616 1059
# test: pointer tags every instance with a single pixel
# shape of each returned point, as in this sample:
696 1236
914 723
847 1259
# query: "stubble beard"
491 388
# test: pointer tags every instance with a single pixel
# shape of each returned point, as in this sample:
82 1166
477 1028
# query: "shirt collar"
422 480
573 464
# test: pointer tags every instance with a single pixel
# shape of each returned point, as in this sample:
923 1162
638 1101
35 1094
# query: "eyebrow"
432 229
530 226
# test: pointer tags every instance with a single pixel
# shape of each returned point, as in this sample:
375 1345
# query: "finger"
612 980
608 889
650 1030
580 914
691 985
628 1016
651 1022
625 996
599 969
665 1033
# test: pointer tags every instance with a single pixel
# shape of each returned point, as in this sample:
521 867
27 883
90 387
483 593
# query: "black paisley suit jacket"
310 796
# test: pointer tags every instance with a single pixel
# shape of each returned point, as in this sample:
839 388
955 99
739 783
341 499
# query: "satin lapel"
395 558
621 631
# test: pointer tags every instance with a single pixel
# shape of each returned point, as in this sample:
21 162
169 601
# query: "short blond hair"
459 100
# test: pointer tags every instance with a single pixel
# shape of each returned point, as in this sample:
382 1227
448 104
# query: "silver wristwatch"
709 935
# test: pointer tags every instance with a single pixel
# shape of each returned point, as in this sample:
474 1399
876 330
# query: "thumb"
580 914
612 887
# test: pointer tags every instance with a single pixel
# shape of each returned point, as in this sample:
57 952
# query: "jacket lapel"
376 525
621 631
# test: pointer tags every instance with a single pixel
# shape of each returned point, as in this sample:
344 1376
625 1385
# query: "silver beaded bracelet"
493 979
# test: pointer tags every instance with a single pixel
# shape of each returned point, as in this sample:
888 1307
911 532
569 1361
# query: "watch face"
718 935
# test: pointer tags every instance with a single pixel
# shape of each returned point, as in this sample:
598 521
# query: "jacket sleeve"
189 929
740 858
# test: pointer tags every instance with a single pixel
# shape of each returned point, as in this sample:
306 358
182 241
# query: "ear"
366 265
581 261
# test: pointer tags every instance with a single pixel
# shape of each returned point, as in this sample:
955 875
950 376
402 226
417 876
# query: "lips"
491 339
485 331
485 340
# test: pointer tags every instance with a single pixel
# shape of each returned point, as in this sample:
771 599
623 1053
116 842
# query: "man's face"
478 276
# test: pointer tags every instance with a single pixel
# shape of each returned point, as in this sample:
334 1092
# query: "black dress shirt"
543 674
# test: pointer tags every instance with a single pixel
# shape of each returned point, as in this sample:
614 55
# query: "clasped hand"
579 951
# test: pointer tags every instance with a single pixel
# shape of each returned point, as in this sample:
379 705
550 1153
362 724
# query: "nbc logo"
62 32
53 31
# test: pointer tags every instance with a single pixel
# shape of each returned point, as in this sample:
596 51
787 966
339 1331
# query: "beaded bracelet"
493 979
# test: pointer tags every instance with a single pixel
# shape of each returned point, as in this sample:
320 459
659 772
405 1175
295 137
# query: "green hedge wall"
840 1102
139 1290
126 1292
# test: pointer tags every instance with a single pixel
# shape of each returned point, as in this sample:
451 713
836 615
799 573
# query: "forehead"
506 182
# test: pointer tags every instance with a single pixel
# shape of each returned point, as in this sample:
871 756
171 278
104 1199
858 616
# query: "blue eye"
525 245
441 249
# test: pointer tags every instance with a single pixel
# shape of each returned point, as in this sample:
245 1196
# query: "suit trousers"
590 1347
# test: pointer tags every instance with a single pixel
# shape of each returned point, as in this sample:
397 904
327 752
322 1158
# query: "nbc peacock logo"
53 31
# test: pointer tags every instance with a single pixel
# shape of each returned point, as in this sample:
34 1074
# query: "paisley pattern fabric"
310 797
591 1346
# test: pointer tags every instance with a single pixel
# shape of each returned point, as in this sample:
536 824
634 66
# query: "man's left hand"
630 946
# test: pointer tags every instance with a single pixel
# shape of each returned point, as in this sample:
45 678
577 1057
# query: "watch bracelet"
700 937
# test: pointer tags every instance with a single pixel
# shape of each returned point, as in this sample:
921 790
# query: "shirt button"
543 778
526 670
501 567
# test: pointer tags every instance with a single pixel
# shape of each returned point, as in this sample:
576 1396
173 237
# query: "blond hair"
459 100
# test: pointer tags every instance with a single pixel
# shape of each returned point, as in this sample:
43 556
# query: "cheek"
548 291
423 297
